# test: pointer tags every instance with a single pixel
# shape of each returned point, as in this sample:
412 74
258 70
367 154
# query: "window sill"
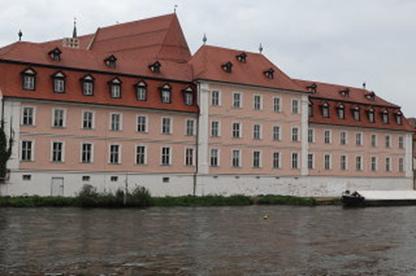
58 127
27 161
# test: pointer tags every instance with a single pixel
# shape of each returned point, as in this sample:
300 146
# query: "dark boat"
354 199
378 198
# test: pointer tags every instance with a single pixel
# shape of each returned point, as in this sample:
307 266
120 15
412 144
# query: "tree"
5 150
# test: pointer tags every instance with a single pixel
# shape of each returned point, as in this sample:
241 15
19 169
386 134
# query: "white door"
57 186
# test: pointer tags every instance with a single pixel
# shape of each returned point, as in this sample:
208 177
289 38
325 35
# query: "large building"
130 105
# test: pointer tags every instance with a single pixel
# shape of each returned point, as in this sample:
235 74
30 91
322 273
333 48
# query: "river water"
209 241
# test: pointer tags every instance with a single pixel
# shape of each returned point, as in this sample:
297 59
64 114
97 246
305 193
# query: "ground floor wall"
70 183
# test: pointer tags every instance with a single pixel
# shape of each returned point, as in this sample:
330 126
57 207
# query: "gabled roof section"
208 60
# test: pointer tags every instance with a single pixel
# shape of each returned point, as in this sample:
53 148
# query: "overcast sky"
345 42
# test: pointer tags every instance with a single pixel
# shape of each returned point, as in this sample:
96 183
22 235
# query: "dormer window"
399 117
371 115
227 67
345 92
110 61
356 113
166 94
155 67
370 96
59 82
312 88
269 73
88 85
242 57
385 116
141 91
188 96
325 110
115 88
341 111
29 79
55 54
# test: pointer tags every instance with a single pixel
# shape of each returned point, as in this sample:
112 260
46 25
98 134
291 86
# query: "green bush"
285 200
140 197
210 200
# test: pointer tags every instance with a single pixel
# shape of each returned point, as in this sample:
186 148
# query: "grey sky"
346 42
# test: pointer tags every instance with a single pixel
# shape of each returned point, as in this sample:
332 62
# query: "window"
356 113
256 132
188 96
257 102
327 162
141 123
385 116
190 128
57 152
311 135
115 88
373 140
295 106
343 162
189 157
58 118
155 67
115 122
140 155
114 178
341 112
59 82
388 164
276 160
399 116
215 98
87 120
373 164
141 91
343 138
256 159
26 151
214 158
28 116
401 142
276 133
86 178
310 161
371 117
166 94
359 139
327 137
166 125
276 104
358 163
295 161
325 110
237 100
401 165
88 85
295 134
29 79
236 130
236 158
26 177
387 141
110 61
115 154
215 128
165 158
86 153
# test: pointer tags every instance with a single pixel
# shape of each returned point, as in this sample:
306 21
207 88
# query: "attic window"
345 92
312 88
227 67
188 96
59 82
55 54
141 91
242 57
385 116
166 94
356 113
399 117
29 79
370 96
371 116
155 67
88 85
110 61
269 73
325 110
115 88
341 111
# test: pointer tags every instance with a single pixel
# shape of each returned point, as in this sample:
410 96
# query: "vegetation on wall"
5 150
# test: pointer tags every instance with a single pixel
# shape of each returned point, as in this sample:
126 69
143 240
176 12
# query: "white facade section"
203 127
304 134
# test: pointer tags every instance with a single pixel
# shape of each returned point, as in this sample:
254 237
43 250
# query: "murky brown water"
209 241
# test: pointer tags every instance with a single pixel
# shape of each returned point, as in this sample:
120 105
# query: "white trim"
361 138
346 137
51 151
291 160
330 161
92 152
261 102
371 140
193 156
240 158
346 162
93 119
145 154
361 164
32 157
241 100
63 119
146 123
170 125
313 135
240 129
219 98
219 128
330 136
186 127
161 154
371 163
298 135
260 159
120 150
218 157
280 133
120 122
280 104
22 107
313 160
298 106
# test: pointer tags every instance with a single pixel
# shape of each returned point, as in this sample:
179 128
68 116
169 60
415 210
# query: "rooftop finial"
204 39
20 34
74 31
174 8
364 85
261 48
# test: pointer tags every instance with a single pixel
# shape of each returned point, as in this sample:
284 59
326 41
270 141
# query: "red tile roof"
207 62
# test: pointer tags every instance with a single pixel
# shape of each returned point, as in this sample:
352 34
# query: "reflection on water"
206 241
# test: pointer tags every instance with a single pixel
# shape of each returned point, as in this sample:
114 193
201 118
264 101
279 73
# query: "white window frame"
136 152
33 114
218 129
361 163
193 157
240 158
111 121
280 160
260 159
233 100
240 130
63 119
219 97
93 119
146 125
297 134
51 151
32 156
92 152
293 111
375 140
218 157
346 162
346 138
193 127
330 161
260 134
280 104
385 141
297 160
400 164
311 134
279 138
260 102
329 137
390 168
400 141
371 164
170 125
170 156
313 161
120 151
361 135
